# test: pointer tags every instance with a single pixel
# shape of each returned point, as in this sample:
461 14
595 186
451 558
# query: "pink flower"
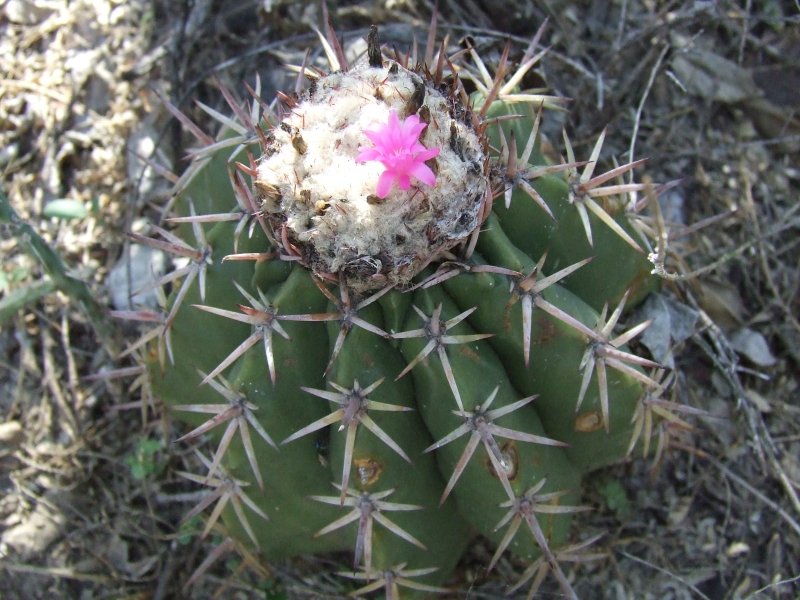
398 148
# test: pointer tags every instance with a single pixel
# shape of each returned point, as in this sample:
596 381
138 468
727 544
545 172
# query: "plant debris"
696 87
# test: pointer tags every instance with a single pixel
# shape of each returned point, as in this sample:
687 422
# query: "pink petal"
394 122
376 136
412 127
424 174
398 149
426 154
385 184
367 154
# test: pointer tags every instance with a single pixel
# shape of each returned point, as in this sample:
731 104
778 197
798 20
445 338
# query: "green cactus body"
368 358
615 270
557 351
382 392
480 375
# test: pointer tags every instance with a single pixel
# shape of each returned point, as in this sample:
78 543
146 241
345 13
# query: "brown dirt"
90 504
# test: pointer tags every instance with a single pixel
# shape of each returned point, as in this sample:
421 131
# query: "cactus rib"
225 489
434 330
355 404
263 318
480 424
238 412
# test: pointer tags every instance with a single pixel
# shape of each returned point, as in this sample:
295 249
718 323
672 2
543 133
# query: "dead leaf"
710 76
35 533
670 323
774 121
759 401
10 435
751 344
737 549
722 302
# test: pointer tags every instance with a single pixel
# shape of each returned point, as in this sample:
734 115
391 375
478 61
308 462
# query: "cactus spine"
399 330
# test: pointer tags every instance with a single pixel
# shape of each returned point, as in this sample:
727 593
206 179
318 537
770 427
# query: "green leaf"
616 497
36 247
21 297
274 590
144 462
64 208
189 529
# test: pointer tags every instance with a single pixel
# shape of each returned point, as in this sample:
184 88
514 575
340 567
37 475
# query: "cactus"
398 323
